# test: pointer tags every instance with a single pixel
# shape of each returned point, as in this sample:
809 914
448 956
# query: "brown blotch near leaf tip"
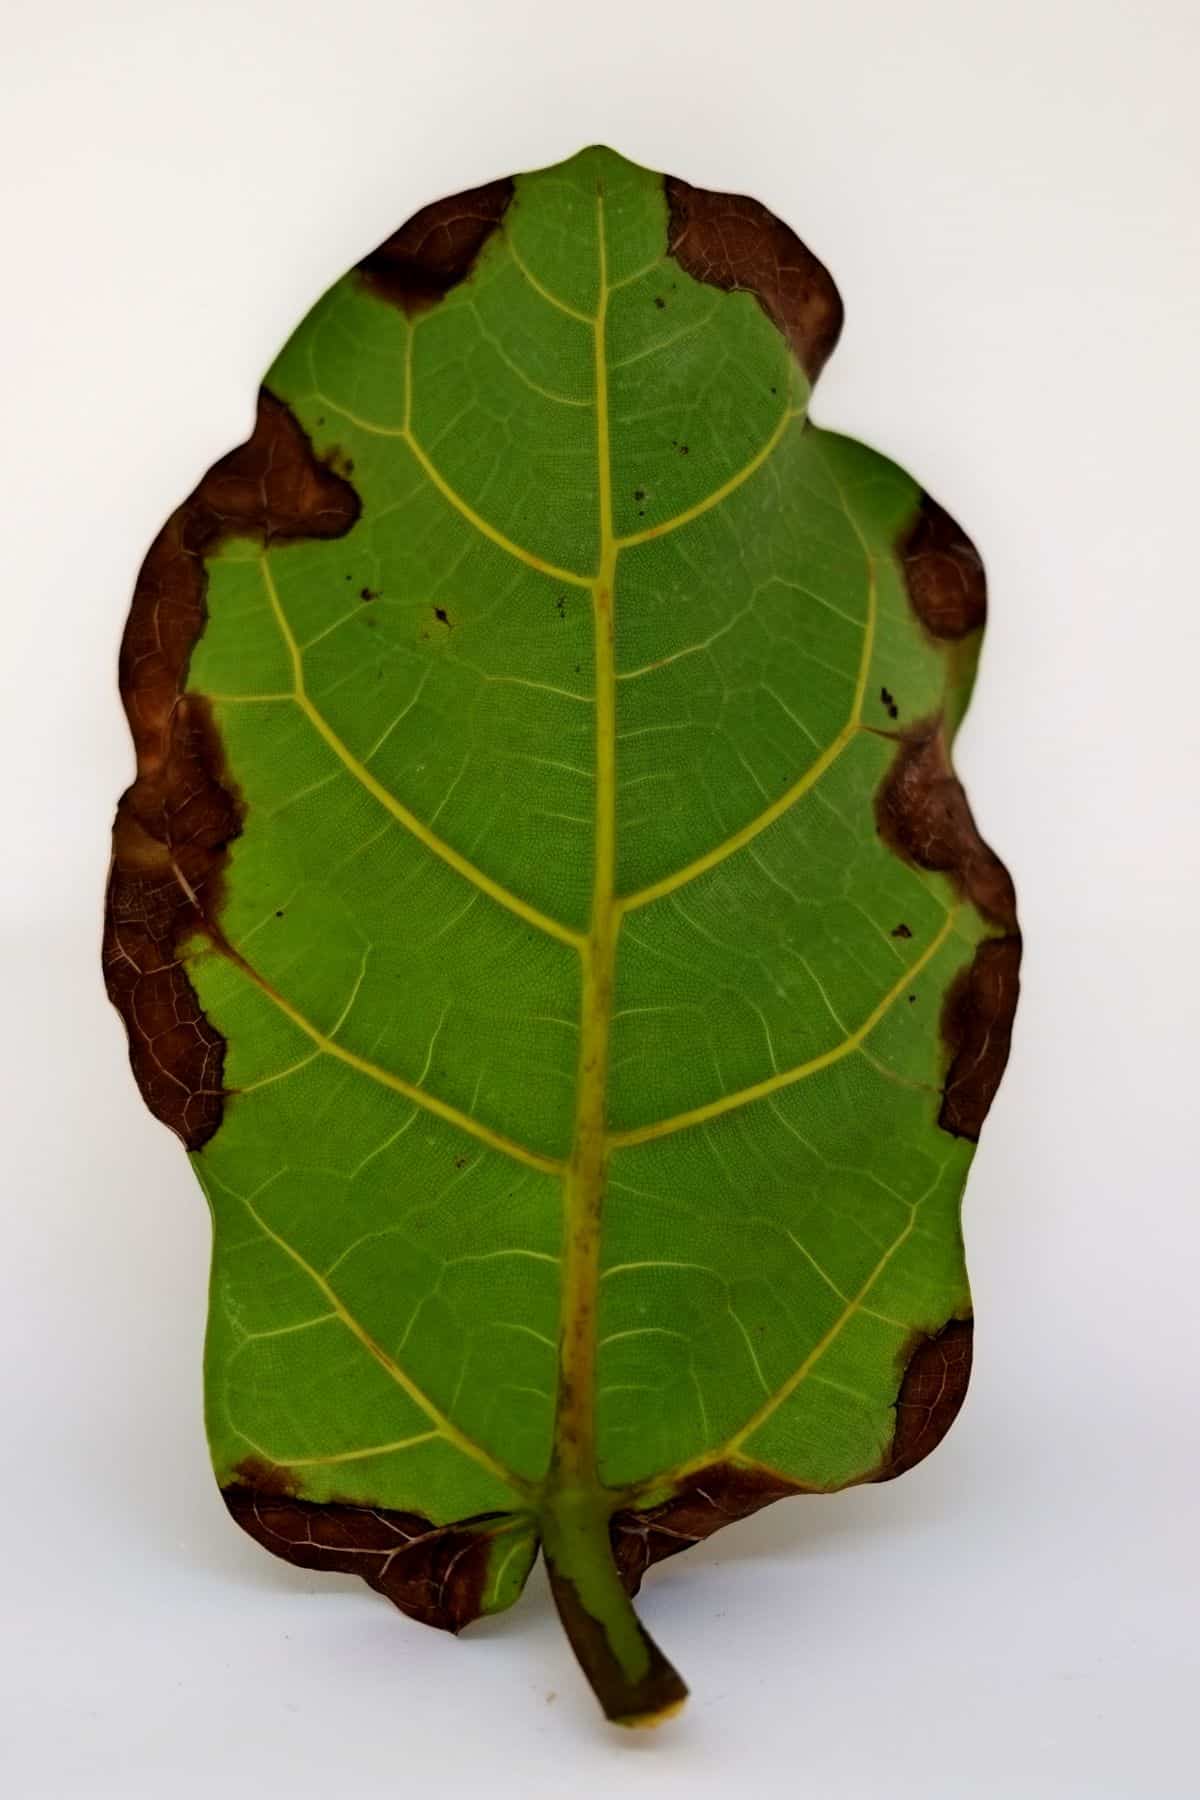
437 248
943 573
937 1370
435 1574
733 242
175 824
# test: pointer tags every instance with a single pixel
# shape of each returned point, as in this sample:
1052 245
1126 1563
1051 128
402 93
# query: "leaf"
547 912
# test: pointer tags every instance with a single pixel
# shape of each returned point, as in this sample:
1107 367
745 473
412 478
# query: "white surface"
1006 195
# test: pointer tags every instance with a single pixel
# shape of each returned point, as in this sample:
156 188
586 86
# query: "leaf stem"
628 1673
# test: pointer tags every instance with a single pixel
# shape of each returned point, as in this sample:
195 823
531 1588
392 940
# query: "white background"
1006 196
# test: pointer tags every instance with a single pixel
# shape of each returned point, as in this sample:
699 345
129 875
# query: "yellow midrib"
574 1455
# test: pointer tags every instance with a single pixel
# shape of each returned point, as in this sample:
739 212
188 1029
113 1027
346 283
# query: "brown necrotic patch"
437 248
175 824
977 1022
718 1495
435 1574
922 813
937 1371
943 574
733 242
934 1370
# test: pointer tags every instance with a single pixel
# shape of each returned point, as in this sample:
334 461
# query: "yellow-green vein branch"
727 1103
362 774
444 1426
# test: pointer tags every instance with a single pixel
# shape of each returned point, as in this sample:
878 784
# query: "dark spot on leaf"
659 301
279 913
639 493
443 617
560 606
887 701
437 248
911 999
901 930
683 449
368 593
943 574
174 825
435 1574
460 1162
732 242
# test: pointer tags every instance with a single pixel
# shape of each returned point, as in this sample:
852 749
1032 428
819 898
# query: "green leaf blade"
548 912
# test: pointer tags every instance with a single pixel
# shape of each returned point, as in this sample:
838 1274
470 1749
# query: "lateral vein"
442 1425
718 494
738 840
715 1109
419 829
450 494
442 1109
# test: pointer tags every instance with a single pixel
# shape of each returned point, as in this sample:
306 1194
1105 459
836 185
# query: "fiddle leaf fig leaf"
547 912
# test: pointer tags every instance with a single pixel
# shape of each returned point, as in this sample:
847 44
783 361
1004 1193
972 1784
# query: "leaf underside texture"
547 911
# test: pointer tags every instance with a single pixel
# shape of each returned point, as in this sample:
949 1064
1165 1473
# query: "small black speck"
369 593
639 493
460 1162
911 998
320 421
888 703
443 617
659 301
774 390
560 606
901 930
279 914
683 449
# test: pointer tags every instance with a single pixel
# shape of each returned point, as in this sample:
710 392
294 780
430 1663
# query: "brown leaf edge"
936 1371
436 1574
732 242
174 825
922 814
437 248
